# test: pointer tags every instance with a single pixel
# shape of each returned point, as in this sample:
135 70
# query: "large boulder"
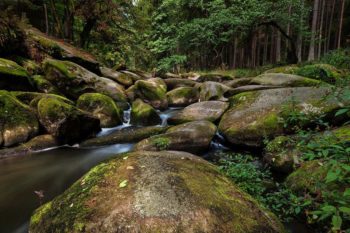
152 91
126 135
122 78
237 82
36 144
213 91
65 122
13 77
18 123
193 137
290 69
154 192
284 80
207 110
182 96
73 81
247 88
258 115
43 85
41 46
101 107
143 114
213 78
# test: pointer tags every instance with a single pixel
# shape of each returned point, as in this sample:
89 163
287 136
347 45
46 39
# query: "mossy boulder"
323 72
182 96
18 122
307 177
130 134
213 78
154 192
73 81
143 114
258 115
101 107
124 79
284 80
65 122
36 144
237 82
152 91
13 77
213 91
174 83
206 110
41 46
30 66
193 137
43 85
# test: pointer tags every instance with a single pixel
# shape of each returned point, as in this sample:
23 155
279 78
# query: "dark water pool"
51 171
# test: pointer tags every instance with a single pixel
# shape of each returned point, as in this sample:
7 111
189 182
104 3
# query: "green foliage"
161 143
256 180
338 58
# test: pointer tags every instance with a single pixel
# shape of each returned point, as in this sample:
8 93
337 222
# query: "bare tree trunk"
46 20
330 26
266 44
320 38
311 56
234 53
341 23
278 46
300 36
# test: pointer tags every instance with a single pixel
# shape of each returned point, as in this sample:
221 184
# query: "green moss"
44 85
278 144
61 66
284 69
161 142
243 99
342 133
143 114
10 68
40 212
323 72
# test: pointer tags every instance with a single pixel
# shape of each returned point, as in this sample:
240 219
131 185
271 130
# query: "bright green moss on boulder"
143 114
101 107
178 199
73 81
17 122
182 96
13 77
152 91
64 121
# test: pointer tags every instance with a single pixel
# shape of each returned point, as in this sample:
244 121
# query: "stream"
52 171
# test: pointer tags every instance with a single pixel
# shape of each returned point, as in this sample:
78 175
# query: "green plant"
339 58
161 143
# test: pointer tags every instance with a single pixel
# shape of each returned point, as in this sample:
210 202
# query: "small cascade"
167 114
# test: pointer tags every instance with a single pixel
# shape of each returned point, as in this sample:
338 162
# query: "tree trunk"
46 20
278 47
85 34
320 34
311 56
341 23
330 26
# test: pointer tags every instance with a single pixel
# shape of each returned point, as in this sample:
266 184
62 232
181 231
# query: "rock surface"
18 122
213 91
143 114
73 81
13 77
101 107
122 78
284 80
193 137
182 96
65 122
255 116
154 192
125 135
152 91
207 110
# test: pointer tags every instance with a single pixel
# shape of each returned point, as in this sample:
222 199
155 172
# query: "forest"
213 116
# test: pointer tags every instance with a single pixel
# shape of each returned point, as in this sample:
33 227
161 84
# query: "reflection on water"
51 171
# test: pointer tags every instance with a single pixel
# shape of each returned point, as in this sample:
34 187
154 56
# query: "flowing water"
50 172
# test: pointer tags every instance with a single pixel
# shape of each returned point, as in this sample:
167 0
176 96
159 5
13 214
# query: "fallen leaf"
123 184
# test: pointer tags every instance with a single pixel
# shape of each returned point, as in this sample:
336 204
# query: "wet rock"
194 137
13 77
122 78
143 114
18 123
101 107
126 135
255 116
73 81
36 144
154 192
152 91
182 96
207 110
65 122
213 91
